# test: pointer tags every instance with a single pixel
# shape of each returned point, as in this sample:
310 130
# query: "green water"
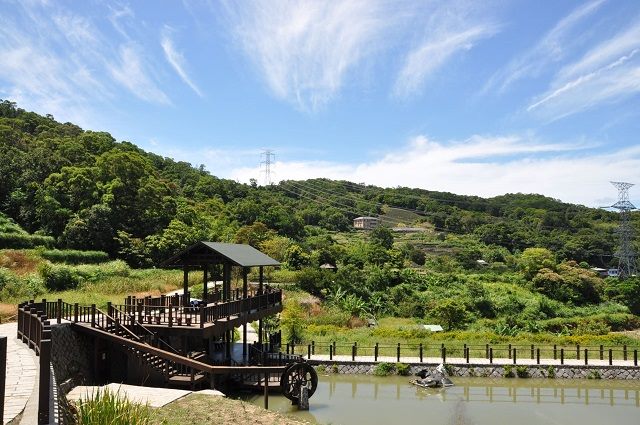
361 399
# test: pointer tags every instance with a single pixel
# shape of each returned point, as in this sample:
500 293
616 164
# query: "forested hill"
88 191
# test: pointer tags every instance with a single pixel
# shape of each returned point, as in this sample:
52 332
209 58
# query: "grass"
199 409
109 408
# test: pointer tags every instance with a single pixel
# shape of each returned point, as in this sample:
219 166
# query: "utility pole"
625 253
269 158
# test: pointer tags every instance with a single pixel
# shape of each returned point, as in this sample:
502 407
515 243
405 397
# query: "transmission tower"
625 254
269 158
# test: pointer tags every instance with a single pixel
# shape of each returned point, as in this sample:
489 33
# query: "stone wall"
496 371
71 354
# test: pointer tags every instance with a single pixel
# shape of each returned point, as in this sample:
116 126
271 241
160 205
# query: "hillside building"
366 223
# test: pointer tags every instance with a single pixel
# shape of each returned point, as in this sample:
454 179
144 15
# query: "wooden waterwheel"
295 377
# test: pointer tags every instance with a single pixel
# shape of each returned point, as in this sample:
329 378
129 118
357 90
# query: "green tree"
451 312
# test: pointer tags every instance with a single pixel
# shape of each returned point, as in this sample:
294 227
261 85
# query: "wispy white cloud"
607 73
437 49
551 48
481 165
305 49
131 72
176 59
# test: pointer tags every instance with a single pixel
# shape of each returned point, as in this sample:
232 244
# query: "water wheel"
296 376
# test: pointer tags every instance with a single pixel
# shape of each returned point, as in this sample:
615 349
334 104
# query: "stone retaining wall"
70 356
497 371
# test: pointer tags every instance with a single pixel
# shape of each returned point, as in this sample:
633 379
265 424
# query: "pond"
371 400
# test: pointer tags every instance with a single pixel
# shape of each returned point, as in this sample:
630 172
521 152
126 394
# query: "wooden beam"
185 284
245 294
204 283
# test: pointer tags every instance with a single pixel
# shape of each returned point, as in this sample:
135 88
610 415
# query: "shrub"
403 369
24 240
508 371
522 371
72 256
383 369
334 368
59 277
107 407
551 372
594 374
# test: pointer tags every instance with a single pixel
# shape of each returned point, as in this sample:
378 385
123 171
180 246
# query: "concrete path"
154 397
21 373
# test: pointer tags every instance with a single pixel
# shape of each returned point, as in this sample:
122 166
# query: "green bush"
72 256
551 372
508 371
403 369
383 369
522 371
24 240
59 277
107 407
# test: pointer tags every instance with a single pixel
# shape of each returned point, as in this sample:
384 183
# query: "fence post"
287 348
555 352
59 311
93 315
601 352
330 352
468 350
444 354
487 351
420 352
308 351
491 355
624 352
375 353
3 373
610 357
45 377
562 356
586 356
531 351
577 351
353 353
635 357
170 316
355 345
75 312
509 350
313 348
515 351
203 316
398 353
537 355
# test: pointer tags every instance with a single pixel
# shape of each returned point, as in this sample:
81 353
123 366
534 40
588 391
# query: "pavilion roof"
203 253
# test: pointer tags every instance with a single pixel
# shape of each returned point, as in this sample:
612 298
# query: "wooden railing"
513 353
34 330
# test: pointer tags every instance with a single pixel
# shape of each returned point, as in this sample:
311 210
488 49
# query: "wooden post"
487 351
205 278
308 351
330 352
515 352
635 357
59 311
76 307
420 352
375 353
537 355
93 315
468 350
185 286
45 377
555 351
509 350
444 354
245 294
624 352
313 348
261 280
586 356
610 357
531 351
3 373
353 353
577 351
562 356
109 313
601 352
266 391
398 352
491 355
170 316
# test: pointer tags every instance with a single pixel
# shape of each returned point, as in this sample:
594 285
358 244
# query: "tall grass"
106 407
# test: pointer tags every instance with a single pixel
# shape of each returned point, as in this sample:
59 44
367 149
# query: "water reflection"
354 399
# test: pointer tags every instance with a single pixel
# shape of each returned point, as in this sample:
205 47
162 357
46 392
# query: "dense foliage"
511 263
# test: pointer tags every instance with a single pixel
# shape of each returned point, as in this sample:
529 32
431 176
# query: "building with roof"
366 223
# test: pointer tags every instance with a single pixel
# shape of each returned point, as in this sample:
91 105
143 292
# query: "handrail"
182 360
144 328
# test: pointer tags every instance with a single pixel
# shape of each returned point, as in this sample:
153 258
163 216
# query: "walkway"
461 360
154 397
21 373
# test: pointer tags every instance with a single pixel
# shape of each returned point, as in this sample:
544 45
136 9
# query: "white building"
365 223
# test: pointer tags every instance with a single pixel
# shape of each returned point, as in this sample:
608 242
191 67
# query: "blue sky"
471 97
